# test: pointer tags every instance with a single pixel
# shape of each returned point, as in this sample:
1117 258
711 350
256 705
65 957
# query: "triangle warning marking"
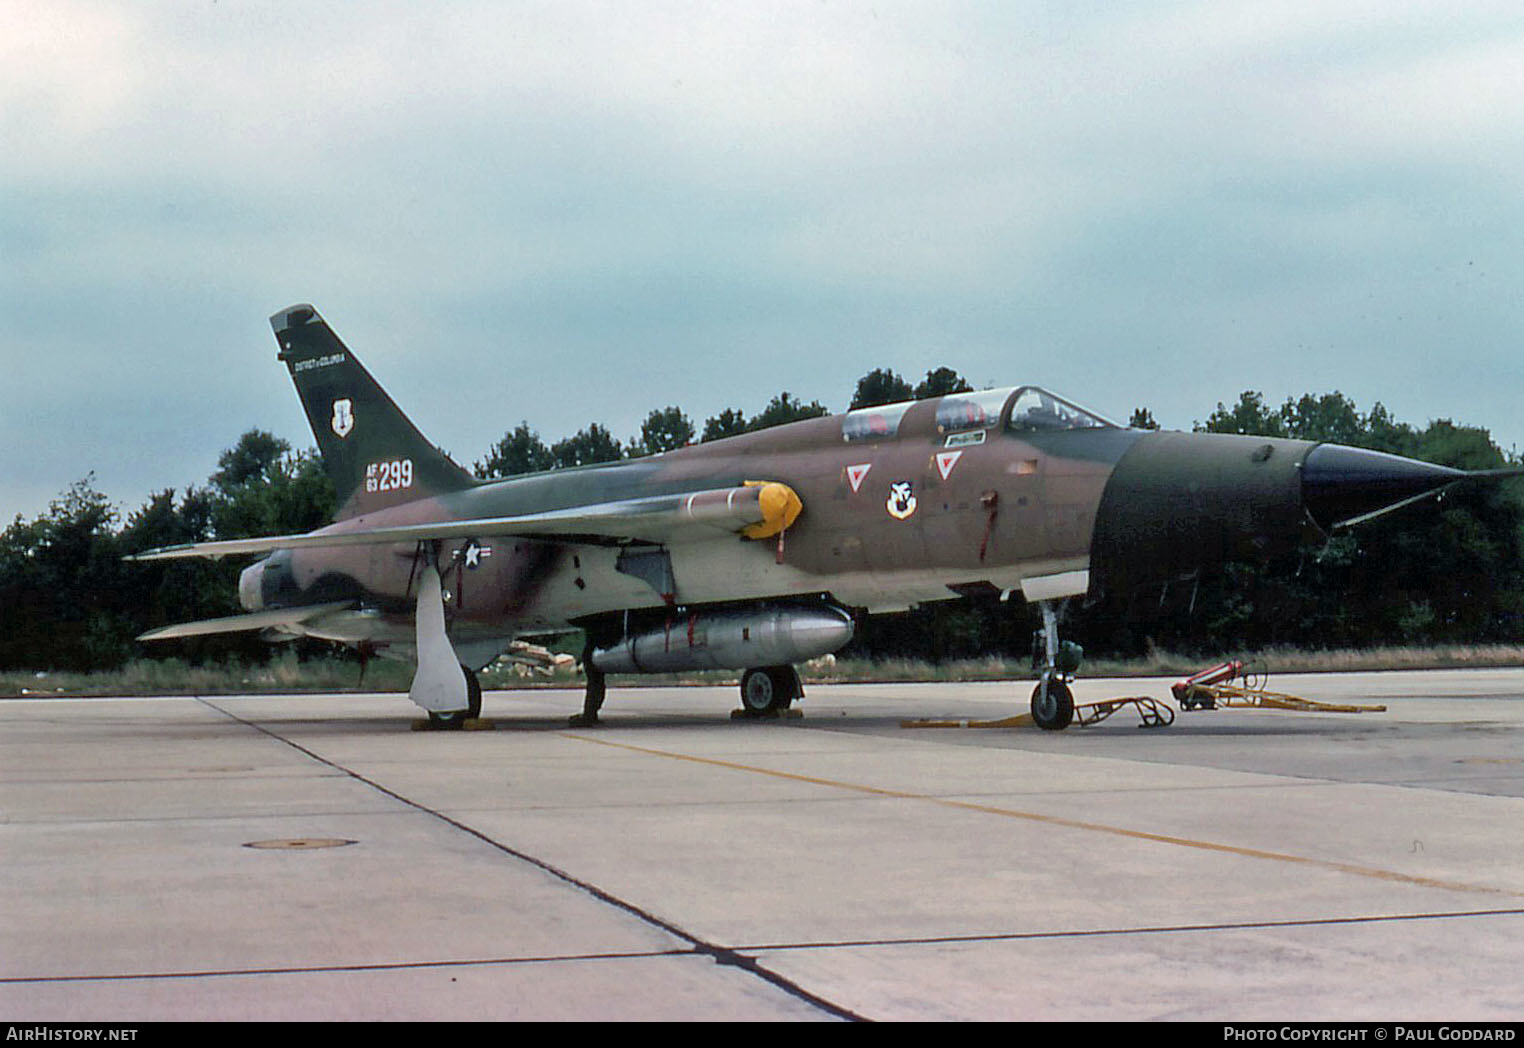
946 460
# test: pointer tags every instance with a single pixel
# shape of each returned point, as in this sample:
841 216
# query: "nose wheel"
1052 701
1052 704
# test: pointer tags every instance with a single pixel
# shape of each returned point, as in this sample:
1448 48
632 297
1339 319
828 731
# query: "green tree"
1384 433
1142 418
1461 447
593 444
183 590
262 487
940 383
255 457
520 451
1332 417
879 386
664 430
728 423
785 408
62 599
1249 416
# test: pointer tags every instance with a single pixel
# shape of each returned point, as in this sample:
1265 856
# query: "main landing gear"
769 690
592 696
449 692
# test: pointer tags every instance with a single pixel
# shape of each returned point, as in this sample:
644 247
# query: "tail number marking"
392 475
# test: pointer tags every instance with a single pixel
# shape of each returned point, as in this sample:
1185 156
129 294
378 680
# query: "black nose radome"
1343 485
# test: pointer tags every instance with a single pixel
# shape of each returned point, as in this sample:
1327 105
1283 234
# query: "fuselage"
999 491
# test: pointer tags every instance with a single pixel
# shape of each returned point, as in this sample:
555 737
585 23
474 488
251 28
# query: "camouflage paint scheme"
1011 491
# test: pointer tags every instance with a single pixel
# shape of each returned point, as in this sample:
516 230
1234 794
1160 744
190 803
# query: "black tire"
473 694
1058 711
457 718
786 686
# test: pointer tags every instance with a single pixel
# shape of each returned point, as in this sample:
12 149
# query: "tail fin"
376 457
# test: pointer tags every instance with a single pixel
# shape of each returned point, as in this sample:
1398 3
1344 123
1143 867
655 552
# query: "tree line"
522 451
1446 571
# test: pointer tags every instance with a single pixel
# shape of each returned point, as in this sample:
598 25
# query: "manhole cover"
301 843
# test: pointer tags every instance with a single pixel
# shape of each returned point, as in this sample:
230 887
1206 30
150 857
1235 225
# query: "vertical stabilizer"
375 455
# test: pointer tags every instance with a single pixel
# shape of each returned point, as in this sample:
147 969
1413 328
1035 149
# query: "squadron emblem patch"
901 500
343 417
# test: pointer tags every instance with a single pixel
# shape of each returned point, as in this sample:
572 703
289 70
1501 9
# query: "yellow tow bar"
1154 714
1213 688
1221 696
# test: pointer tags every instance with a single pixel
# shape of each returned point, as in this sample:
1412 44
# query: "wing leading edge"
755 510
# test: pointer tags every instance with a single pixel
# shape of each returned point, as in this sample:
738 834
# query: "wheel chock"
468 724
1021 720
792 713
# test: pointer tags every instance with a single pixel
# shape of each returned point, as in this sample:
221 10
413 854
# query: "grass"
285 673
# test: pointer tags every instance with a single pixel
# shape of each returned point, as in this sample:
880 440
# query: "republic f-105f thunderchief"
754 553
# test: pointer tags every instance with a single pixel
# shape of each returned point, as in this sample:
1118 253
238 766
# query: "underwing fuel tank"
739 638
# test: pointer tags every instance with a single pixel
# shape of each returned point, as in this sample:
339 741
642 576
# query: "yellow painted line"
1372 872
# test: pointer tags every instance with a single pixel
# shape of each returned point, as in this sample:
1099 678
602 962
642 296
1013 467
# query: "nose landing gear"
1052 701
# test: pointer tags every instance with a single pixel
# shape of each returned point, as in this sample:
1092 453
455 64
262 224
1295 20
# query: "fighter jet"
760 551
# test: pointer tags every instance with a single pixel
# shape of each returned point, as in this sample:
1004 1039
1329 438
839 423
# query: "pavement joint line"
378 966
722 955
1242 851
1163 929
793 947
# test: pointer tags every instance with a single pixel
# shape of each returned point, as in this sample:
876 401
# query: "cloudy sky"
570 212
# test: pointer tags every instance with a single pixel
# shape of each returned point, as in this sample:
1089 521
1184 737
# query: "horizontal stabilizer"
655 518
259 620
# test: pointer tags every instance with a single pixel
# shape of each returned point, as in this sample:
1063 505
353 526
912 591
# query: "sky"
568 212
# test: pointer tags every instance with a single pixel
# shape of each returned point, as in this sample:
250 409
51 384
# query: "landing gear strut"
1052 701
769 689
442 686
592 697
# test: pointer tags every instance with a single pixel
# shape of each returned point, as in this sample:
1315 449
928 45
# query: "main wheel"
458 718
759 690
769 688
1055 710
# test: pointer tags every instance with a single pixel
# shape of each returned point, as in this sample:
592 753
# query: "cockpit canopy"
1033 408
1022 409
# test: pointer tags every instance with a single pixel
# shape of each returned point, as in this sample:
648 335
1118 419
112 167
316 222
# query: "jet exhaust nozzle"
1342 485
775 635
251 586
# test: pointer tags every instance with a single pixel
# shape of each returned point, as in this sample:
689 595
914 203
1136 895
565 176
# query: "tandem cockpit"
1017 409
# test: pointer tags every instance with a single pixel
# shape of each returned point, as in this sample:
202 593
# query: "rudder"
372 451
